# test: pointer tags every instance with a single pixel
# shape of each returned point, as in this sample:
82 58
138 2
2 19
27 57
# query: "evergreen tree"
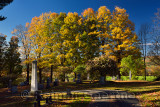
2 51
4 3
12 57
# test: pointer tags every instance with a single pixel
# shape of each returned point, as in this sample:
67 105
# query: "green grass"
125 78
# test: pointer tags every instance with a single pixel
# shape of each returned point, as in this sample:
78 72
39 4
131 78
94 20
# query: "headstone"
34 85
78 79
56 82
40 86
14 89
102 80
130 75
88 76
117 77
79 76
10 83
48 83
113 78
68 91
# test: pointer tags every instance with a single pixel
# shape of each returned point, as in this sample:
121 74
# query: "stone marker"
55 83
10 83
40 86
48 83
14 89
88 75
68 91
113 78
34 85
102 80
78 79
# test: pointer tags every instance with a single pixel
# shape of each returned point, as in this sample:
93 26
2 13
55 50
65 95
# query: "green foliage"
80 69
131 64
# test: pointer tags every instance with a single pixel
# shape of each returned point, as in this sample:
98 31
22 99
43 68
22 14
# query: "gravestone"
88 75
34 85
14 89
56 82
40 86
78 79
10 83
48 83
102 80
69 92
113 78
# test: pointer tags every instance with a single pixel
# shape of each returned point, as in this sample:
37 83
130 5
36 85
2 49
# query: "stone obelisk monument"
34 85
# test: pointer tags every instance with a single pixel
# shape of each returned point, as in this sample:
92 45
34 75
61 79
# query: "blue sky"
22 11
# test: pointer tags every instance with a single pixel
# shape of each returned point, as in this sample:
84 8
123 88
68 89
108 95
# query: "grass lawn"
147 92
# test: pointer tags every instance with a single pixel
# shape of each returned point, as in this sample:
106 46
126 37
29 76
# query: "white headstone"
34 85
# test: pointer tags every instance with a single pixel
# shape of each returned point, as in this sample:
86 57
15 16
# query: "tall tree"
144 37
49 53
129 63
122 39
3 45
23 36
4 3
12 55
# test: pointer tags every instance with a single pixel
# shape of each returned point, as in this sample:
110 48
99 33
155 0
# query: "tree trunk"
130 75
27 65
119 74
145 67
63 78
51 72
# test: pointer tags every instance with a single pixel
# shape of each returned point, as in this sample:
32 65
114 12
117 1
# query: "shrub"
81 69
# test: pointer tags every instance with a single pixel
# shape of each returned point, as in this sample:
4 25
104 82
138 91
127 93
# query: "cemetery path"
111 98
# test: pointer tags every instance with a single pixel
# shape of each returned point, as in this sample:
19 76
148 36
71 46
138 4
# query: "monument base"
34 93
